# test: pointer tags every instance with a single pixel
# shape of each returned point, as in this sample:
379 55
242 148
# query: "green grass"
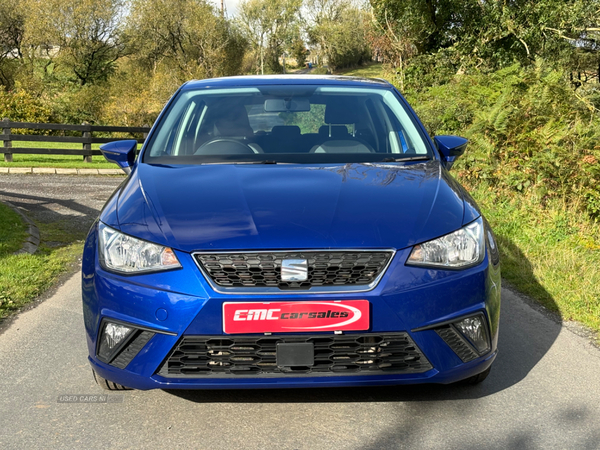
60 161
374 70
319 71
551 253
12 230
24 277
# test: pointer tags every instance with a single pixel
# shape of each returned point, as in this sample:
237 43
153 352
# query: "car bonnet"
289 206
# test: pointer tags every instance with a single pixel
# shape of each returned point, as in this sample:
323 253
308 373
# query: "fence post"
87 146
144 136
8 157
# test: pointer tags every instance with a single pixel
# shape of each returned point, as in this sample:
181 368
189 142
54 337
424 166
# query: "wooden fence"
86 138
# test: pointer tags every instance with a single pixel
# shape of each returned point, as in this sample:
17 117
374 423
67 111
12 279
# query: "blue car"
289 231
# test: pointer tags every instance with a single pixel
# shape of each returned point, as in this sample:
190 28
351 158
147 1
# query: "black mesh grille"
260 270
133 348
233 356
457 343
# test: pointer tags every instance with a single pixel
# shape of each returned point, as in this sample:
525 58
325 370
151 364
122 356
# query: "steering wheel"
223 145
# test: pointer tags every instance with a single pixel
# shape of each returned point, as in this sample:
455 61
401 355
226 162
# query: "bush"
530 132
22 106
77 105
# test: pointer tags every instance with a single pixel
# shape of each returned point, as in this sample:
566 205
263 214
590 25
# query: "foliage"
79 105
111 61
270 26
185 38
529 132
12 24
465 36
82 36
368 71
338 30
298 51
308 121
21 106
532 165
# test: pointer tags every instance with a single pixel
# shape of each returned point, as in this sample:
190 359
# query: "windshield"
286 124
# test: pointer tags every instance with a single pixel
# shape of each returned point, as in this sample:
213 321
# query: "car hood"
251 207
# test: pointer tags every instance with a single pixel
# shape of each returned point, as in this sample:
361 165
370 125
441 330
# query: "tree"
338 30
270 26
12 24
187 36
487 33
298 51
85 35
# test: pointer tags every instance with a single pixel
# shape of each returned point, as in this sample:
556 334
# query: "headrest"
231 120
337 131
342 110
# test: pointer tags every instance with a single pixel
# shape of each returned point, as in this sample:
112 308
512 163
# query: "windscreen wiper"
407 158
264 161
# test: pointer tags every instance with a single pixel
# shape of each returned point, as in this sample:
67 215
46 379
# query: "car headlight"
458 250
122 253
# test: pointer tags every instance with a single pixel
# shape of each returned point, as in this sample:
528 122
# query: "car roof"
265 80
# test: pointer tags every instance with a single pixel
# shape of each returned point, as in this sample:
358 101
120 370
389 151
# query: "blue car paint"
404 300
122 153
314 206
280 207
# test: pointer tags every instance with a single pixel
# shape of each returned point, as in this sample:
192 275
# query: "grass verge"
12 231
549 252
370 71
24 277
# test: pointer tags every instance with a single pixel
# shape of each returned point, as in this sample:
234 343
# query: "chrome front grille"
325 269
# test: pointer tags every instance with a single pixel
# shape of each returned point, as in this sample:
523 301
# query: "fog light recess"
474 330
119 343
468 337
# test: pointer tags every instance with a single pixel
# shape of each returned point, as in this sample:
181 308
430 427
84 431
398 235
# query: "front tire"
108 385
476 379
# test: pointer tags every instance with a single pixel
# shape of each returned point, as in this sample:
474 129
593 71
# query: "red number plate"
289 317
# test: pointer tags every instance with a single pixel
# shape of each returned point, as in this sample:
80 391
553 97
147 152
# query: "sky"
230 6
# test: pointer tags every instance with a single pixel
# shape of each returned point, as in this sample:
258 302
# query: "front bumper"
180 303
137 381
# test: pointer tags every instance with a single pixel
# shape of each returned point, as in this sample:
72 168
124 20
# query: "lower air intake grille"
457 343
234 356
324 268
132 348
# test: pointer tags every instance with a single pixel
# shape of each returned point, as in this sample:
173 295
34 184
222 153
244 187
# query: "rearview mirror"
450 147
122 153
287 105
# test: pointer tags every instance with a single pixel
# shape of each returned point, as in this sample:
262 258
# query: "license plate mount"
301 354
296 316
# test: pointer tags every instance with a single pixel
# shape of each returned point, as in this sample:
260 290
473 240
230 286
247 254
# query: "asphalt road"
543 392
74 201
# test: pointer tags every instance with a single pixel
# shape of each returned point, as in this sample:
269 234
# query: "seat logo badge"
294 270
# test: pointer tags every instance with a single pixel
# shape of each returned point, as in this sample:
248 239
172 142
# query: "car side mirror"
122 153
450 147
